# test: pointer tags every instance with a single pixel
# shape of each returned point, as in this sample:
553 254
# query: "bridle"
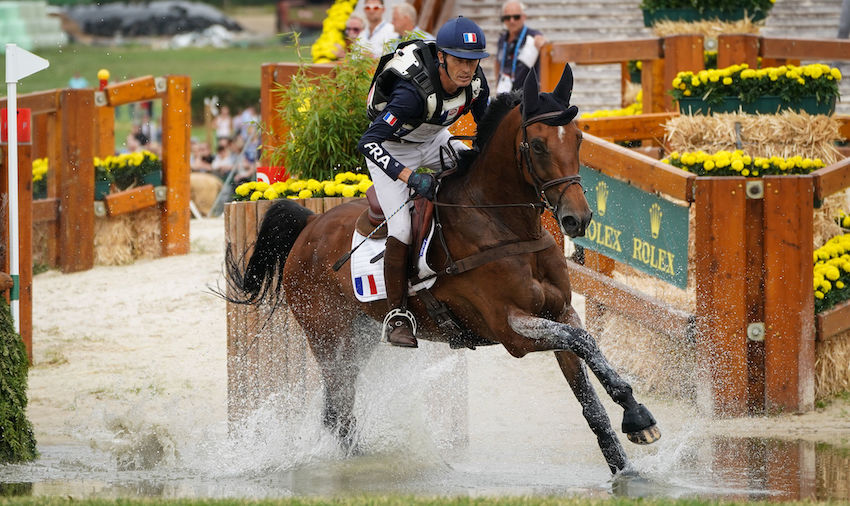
540 186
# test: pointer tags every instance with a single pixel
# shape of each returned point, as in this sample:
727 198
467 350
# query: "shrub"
232 95
326 116
17 442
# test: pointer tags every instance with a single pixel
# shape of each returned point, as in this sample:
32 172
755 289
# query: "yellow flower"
257 195
819 295
348 190
270 194
243 189
305 194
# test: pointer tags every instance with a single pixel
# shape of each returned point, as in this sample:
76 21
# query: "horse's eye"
538 146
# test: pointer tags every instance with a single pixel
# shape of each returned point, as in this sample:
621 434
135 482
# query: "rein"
510 249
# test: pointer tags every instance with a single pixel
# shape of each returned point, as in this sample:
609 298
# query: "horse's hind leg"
335 352
638 423
592 410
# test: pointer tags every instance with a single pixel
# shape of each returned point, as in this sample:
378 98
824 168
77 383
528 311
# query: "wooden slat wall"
720 277
788 303
75 170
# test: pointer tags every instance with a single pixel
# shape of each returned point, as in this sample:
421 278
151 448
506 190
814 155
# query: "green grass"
203 65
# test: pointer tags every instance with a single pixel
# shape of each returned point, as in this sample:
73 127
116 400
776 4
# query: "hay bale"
146 233
832 366
708 28
205 189
113 240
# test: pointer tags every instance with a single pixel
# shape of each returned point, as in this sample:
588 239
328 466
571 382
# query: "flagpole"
14 248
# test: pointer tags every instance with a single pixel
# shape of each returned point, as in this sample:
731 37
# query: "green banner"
636 228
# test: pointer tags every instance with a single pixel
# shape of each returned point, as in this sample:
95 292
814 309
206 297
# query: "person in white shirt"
378 32
404 22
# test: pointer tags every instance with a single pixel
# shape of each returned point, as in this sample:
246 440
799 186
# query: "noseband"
540 186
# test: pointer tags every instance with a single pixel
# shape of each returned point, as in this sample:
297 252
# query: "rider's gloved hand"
422 184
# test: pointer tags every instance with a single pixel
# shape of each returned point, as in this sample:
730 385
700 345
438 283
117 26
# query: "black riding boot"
400 332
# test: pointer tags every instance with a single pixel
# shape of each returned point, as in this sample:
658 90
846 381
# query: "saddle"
373 216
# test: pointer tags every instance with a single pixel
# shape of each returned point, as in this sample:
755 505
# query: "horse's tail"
261 279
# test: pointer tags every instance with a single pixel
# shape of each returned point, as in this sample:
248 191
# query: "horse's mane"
496 112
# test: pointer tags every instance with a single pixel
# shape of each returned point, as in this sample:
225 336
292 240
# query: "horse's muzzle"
575 224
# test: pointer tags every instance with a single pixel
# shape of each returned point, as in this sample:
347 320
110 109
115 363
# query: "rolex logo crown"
655 215
601 197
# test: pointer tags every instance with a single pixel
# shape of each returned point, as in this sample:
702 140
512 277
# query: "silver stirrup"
392 314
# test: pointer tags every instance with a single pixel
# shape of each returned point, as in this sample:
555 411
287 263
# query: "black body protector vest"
416 62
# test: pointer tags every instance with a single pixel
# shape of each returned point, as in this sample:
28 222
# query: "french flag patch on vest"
470 38
389 118
365 285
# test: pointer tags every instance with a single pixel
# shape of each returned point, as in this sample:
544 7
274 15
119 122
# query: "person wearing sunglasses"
354 26
518 48
417 93
378 32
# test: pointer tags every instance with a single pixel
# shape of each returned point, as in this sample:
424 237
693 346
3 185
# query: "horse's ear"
529 94
565 86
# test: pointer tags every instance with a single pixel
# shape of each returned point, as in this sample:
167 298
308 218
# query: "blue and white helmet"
462 38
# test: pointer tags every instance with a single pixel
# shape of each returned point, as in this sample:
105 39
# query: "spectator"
378 32
223 162
77 81
200 156
247 117
518 48
353 27
223 124
404 22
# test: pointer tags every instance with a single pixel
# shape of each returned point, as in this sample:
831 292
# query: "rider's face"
459 70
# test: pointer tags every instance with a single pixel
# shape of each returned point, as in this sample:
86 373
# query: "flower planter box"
634 77
690 15
154 178
699 106
762 105
101 189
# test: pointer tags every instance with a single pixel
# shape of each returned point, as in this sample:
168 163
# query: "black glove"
422 184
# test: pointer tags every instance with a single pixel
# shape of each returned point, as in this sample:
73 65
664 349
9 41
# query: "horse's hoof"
639 425
645 437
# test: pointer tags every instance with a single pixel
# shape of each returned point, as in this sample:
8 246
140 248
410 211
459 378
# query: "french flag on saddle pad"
389 118
365 285
470 38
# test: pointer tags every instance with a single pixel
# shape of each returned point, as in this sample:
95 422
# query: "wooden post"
788 302
25 244
720 234
104 131
653 86
734 49
54 127
681 53
176 131
75 170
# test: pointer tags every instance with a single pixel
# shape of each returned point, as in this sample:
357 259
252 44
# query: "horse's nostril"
569 222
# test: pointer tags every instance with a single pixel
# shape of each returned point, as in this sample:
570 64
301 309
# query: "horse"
525 158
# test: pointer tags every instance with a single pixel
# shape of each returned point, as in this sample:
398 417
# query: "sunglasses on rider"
373 7
515 17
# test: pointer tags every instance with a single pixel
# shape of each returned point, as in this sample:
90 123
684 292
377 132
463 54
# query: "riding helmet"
462 38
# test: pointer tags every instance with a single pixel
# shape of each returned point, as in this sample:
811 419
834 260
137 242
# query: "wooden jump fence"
70 128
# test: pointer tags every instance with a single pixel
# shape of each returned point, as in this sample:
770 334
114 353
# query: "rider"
416 95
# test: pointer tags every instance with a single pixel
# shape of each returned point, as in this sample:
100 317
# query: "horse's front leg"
638 423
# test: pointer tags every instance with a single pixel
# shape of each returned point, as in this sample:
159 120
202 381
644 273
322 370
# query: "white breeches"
393 193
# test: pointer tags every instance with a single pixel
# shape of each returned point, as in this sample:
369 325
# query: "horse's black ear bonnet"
535 103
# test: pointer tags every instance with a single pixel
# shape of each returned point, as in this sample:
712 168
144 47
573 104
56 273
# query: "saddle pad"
368 278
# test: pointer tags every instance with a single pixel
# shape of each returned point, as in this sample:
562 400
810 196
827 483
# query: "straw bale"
146 233
708 28
113 240
832 366
785 135
205 189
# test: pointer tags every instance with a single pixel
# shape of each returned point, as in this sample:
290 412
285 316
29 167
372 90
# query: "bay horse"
526 157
